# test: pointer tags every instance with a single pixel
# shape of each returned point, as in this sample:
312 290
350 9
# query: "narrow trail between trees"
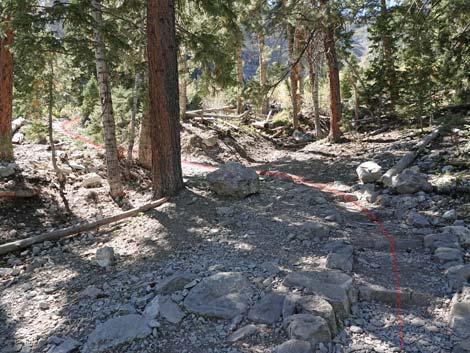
66 129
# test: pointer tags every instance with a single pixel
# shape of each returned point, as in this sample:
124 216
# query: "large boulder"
223 295
369 172
234 180
410 181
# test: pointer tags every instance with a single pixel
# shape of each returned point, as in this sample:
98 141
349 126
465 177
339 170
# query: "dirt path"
57 291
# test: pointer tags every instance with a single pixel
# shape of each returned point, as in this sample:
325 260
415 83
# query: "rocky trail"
239 262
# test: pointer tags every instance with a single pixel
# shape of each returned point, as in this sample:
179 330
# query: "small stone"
116 331
268 310
294 346
65 345
152 309
444 255
105 256
222 295
92 180
450 215
170 311
242 332
44 305
340 257
308 328
369 172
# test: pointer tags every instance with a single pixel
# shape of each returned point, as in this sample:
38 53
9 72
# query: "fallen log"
219 116
208 110
18 193
408 158
62 233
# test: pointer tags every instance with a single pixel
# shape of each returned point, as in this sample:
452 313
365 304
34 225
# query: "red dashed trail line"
65 128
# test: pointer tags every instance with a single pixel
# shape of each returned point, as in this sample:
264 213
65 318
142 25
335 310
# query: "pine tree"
109 129
6 93
163 98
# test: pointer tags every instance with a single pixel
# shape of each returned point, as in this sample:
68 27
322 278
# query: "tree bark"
333 74
109 129
239 60
183 84
135 108
300 68
388 56
163 98
262 72
294 74
145 148
312 73
6 94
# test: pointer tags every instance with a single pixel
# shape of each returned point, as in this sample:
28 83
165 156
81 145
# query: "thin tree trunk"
313 88
6 94
300 68
145 148
183 84
109 129
135 108
356 100
239 59
163 98
333 75
294 75
60 175
262 72
388 55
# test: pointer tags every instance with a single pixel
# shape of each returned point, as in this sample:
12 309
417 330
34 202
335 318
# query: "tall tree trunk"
145 148
294 75
300 68
59 173
239 60
333 74
312 74
135 104
163 98
356 99
109 129
262 72
183 85
135 108
6 94
388 56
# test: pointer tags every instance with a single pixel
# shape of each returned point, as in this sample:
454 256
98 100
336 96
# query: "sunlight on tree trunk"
109 129
313 77
145 148
333 74
183 83
239 59
262 72
163 98
294 74
6 94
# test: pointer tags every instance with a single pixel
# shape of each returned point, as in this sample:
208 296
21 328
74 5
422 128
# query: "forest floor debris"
275 246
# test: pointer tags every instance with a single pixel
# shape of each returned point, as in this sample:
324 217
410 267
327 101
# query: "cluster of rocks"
309 316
